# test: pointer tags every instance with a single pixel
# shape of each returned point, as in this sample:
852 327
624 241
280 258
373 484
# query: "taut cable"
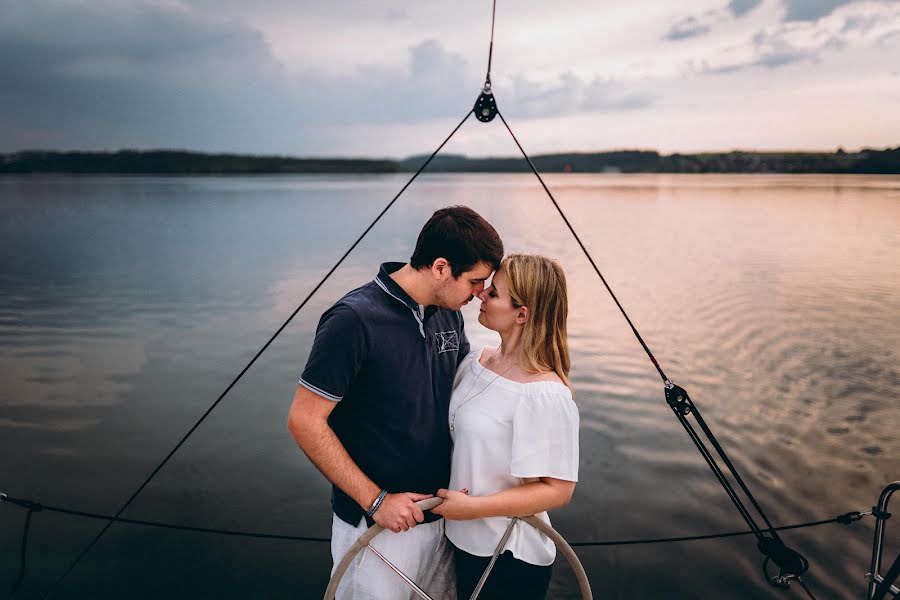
791 563
94 541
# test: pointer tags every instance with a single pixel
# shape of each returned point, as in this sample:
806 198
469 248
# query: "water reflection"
128 304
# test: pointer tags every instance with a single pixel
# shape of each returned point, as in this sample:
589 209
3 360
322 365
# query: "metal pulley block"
678 398
486 107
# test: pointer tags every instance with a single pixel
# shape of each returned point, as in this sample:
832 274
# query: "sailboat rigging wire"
31 507
250 364
487 78
720 476
708 432
583 249
790 562
843 519
805 588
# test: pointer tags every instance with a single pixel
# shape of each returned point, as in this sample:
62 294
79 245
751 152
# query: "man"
371 408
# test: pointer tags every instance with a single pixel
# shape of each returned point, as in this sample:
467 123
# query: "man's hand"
398 512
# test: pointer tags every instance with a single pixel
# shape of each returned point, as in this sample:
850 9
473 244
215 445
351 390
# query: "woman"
515 432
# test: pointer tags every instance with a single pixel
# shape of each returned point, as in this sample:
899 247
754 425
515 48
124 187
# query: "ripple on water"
788 346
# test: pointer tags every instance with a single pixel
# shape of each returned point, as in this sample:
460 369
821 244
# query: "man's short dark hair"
460 235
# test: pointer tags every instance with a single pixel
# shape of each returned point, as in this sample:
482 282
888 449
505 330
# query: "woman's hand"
457 506
533 496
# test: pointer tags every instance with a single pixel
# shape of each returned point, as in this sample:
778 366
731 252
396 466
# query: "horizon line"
449 154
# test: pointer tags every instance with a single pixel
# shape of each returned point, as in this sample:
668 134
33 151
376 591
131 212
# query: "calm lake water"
128 304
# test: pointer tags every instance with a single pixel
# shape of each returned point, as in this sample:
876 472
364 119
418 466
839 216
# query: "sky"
358 78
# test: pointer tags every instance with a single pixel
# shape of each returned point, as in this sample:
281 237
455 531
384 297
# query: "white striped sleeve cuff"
319 391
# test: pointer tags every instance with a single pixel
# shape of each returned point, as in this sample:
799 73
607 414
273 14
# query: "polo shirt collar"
385 282
391 288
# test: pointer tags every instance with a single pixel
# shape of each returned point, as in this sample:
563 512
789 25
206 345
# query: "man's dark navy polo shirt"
390 369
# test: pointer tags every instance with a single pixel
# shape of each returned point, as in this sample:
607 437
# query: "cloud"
776 51
769 50
688 28
122 39
145 74
569 94
791 42
811 10
313 78
741 7
434 83
396 14
119 74
794 11
698 25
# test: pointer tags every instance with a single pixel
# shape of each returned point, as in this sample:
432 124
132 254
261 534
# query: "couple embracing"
394 406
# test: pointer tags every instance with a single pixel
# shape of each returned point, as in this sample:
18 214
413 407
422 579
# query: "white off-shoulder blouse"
504 432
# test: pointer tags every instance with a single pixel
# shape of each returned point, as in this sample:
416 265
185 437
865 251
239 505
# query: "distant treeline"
623 161
175 162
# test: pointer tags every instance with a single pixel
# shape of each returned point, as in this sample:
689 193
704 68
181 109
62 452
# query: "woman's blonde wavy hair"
539 283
